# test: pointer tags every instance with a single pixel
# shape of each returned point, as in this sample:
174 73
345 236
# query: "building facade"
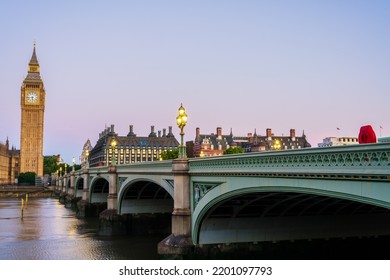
87 148
215 144
32 101
9 164
130 148
338 141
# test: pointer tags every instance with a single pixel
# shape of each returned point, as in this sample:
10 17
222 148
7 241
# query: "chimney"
131 131
219 133
159 133
292 134
170 134
164 132
269 133
152 133
197 134
112 128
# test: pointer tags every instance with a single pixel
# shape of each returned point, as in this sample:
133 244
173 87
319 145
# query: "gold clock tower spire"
32 103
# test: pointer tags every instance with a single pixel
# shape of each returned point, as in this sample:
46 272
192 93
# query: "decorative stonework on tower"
32 103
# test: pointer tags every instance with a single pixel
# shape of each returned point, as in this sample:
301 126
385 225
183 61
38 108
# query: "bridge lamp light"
113 145
181 121
60 170
86 158
73 163
277 144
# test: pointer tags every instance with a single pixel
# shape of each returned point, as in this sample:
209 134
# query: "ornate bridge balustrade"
349 162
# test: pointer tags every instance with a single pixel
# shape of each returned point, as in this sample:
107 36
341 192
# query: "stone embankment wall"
18 191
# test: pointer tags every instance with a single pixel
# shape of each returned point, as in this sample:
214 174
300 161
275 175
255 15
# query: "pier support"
84 208
180 241
112 198
71 187
110 221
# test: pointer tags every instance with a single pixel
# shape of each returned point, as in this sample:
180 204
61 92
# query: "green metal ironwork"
201 189
370 162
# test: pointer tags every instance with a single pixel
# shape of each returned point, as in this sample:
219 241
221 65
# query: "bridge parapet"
154 167
362 162
157 167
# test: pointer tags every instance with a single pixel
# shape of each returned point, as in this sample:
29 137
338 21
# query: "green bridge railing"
363 162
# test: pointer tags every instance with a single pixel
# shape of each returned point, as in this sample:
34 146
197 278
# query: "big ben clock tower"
32 104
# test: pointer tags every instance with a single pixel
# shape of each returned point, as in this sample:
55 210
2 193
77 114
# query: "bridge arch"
144 195
99 189
79 185
249 212
67 187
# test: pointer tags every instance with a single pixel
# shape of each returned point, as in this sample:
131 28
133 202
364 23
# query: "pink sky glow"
243 65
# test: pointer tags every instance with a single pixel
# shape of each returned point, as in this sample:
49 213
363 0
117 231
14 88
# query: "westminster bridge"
249 198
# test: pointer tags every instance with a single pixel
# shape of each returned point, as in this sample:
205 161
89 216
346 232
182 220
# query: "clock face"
32 97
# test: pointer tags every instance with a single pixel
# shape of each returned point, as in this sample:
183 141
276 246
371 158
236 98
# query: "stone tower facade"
32 102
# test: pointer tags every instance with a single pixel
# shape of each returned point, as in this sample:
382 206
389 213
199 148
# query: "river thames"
49 231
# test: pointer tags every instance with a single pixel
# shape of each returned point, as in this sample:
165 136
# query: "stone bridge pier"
111 220
84 206
180 241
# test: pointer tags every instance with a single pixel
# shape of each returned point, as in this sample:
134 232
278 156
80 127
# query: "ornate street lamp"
181 121
86 158
113 145
277 144
73 162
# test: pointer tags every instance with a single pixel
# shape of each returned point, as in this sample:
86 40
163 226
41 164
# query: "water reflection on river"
49 231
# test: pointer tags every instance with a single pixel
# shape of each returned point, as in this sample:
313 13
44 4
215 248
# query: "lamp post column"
112 181
181 121
180 241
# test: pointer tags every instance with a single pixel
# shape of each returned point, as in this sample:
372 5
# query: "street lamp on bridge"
73 163
113 145
181 121
277 144
86 158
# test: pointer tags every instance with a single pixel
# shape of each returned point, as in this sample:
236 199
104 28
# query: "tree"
233 150
27 178
50 165
169 154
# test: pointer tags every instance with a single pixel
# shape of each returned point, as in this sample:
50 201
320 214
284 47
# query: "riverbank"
18 191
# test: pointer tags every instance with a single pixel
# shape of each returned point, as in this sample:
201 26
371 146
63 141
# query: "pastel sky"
243 65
